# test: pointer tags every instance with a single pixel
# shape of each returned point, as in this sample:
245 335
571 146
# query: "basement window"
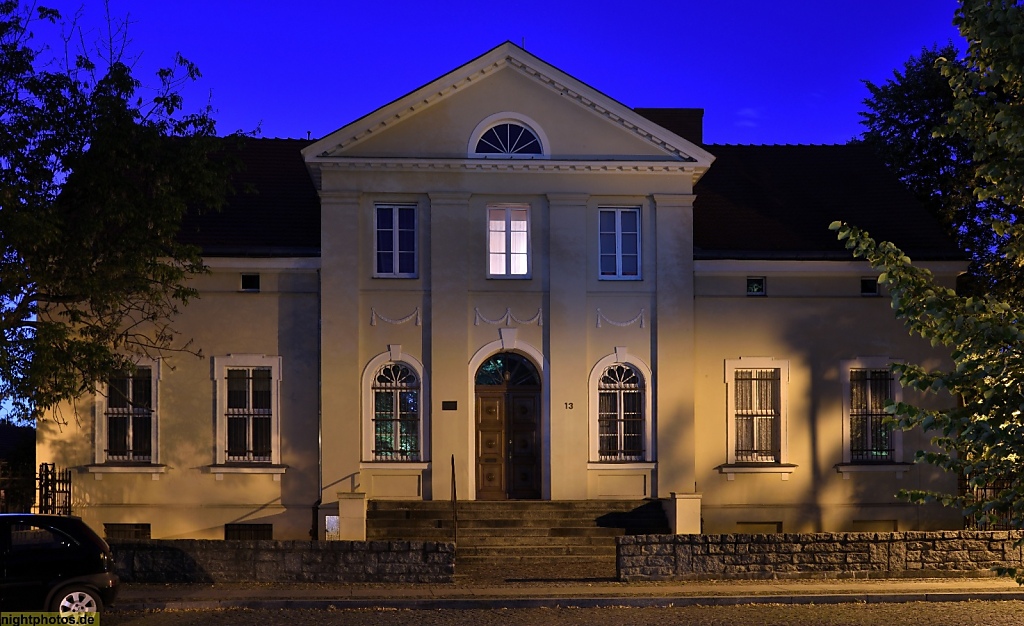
248 532
869 286
755 285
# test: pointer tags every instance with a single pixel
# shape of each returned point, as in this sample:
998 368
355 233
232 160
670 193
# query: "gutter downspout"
314 531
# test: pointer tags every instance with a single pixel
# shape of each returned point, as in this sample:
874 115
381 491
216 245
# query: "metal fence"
54 490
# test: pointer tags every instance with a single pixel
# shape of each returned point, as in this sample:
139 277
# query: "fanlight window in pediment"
508 135
509 138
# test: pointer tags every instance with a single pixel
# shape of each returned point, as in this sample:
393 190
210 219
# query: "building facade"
510 281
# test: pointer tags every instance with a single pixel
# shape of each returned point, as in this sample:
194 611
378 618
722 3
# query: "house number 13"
568 405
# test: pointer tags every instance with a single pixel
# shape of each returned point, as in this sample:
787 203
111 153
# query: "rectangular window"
126 532
871 439
129 417
249 414
508 241
758 410
395 241
619 243
248 532
248 411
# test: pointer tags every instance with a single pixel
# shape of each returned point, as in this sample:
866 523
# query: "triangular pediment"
579 123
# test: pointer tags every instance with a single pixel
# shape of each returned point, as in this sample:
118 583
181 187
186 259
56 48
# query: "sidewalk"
552 593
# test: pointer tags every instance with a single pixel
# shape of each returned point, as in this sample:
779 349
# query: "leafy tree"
982 438
904 122
95 178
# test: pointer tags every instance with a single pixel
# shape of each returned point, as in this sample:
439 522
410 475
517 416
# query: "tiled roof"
777 201
756 202
274 211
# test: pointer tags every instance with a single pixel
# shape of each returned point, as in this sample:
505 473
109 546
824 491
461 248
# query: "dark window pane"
608 265
385 241
142 389
238 434
629 220
385 218
142 436
238 389
261 437
261 387
117 434
629 244
385 263
407 218
630 266
607 221
406 240
406 263
608 244
118 393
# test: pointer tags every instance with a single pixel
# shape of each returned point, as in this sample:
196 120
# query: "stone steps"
526 536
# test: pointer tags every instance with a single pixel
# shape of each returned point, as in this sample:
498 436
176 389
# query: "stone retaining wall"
819 555
209 561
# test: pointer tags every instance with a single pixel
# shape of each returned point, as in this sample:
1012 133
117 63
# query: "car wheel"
75 599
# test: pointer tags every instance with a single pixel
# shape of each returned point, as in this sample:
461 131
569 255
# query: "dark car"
53 563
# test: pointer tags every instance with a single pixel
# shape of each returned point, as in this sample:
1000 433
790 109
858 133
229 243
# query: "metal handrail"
455 511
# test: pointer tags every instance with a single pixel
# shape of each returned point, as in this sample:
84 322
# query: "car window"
31 537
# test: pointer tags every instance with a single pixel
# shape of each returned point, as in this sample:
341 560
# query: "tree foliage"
981 437
96 173
906 121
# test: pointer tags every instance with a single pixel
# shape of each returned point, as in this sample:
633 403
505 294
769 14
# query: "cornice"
485 166
589 103
420 104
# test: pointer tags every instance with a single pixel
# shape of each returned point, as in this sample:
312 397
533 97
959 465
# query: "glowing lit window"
508 241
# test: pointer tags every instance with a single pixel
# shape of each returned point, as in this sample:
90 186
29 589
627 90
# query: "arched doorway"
508 443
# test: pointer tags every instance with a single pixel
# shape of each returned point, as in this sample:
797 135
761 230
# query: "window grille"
870 438
620 416
249 414
396 414
129 416
758 408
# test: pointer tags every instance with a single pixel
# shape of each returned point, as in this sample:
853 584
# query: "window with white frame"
508 241
396 414
509 138
756 421
620 408
127 423
396 409
620 414
395 241
868 385
619 243
248 409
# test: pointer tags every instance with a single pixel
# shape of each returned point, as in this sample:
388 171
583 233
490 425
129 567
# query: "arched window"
508 135
396 414
508 138
508 369
620 414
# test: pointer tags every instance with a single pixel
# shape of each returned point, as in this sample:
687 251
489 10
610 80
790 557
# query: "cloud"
747 118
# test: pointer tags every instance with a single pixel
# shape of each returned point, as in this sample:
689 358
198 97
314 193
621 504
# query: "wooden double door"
508 444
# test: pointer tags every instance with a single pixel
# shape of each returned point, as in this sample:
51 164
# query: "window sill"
626 465
783 469
846 469
246 468
99 469
395 465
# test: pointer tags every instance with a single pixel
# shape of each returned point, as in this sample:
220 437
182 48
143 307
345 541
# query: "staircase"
521 539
